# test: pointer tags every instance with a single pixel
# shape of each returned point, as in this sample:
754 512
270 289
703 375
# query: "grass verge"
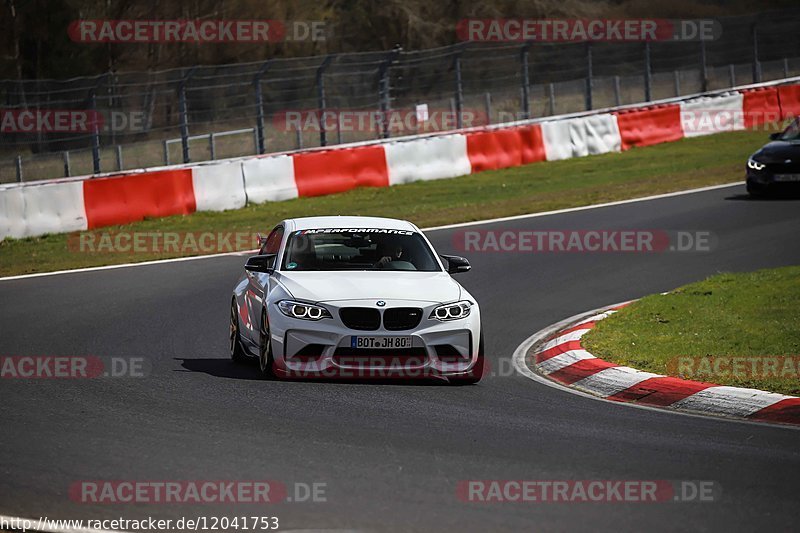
532 188
730 329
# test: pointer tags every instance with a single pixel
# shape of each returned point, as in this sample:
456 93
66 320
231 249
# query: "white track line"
435 228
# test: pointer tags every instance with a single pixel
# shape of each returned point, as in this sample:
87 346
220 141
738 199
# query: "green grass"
532 188
704 330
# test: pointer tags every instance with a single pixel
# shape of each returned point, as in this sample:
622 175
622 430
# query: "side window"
273 242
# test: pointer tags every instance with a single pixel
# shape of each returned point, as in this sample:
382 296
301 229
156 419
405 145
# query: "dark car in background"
775 168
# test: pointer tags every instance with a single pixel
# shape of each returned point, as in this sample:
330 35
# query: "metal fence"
212 112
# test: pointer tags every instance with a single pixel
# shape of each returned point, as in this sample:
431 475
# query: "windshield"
358 249
792 133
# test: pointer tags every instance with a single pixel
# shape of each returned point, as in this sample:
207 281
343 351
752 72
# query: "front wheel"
237 352
476 373
265 360
756 191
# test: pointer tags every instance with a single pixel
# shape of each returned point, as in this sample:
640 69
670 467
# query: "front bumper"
772 179
306 349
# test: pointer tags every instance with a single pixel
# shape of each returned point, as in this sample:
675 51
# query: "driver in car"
389 252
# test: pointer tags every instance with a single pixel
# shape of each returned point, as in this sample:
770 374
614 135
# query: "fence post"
617 96
551 98
184 114
459 95
487 101
211 147
703 68
648 75
785 67
589 75
66 163
526 84
260 141
384 97
18 163
756 63
298 138
95 132
676 74
119 157
323 136
166 152
732 75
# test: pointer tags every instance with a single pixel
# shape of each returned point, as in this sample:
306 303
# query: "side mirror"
775 136
261 263
456 264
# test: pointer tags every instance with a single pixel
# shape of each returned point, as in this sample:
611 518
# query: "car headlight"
755 165
303 311
452 311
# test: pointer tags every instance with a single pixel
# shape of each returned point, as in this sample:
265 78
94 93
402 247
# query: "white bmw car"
355 297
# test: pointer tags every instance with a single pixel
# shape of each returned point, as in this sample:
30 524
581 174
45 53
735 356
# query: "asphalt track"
390 455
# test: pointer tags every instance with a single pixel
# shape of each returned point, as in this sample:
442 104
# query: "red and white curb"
557 355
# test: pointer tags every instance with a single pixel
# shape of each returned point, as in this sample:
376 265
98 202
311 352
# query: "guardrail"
96 201
245 106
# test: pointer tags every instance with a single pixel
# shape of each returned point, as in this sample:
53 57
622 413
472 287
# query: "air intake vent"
400 318
361 318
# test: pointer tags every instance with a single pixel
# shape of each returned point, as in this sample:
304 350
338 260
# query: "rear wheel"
237 352
265 360
476 373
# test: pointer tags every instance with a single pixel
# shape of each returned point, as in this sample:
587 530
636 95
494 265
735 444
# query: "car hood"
778 152
435 287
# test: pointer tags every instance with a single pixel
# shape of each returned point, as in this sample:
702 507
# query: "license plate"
787 177
380 343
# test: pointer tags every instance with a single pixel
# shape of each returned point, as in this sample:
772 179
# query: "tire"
237 352
265 360
476 373
756 191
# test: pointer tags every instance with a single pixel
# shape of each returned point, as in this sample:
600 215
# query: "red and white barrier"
650 125
602 134
789 97
330 171
428 158
269 179
46 208
707 115
761 106
218 186
132 197
53 207
504 148
578 137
